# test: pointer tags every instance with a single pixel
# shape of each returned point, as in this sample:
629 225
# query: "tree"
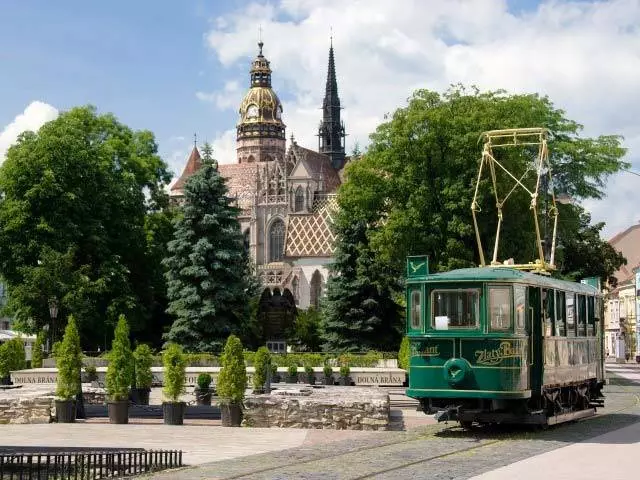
360 313
207 267
411 192
120 371
69 362
306 330
36 351
75 196
232 380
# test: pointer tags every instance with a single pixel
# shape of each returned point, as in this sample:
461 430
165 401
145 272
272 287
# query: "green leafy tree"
75 196
410 194
261 364
207 267
120 373
232 380
175 364
306 330
36 351
143 360
69 362
12 356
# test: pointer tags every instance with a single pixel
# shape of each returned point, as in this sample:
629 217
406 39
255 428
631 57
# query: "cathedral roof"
193 165
241 177
311 235
317 165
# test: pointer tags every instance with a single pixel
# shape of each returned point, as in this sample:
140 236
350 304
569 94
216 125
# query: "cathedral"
287 196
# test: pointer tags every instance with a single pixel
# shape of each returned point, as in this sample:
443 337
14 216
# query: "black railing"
85 465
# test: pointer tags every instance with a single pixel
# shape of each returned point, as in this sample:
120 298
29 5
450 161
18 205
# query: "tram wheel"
466 425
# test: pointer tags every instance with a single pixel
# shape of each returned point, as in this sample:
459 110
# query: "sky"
180 68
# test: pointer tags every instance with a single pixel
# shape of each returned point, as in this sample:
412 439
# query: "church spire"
331 133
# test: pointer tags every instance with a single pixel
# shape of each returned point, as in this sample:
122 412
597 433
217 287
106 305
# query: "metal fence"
86 465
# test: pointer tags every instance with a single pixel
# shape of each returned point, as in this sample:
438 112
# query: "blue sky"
177 68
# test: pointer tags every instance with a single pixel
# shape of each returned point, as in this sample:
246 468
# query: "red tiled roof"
193 165
241 177
627 242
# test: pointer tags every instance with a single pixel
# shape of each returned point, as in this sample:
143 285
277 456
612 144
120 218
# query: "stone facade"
27 409
340 408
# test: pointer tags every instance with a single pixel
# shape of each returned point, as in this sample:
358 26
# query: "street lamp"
53 313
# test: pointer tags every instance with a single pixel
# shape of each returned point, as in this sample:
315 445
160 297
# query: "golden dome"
260 105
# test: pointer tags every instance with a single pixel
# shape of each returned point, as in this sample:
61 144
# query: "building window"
316 289
246 240
299 200
276 241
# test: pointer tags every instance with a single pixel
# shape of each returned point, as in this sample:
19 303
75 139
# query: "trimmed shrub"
262 362
232 380
204 381
293 370
404 354
327 370
36 352
12 356
143 359
174 372
91 372
69 361
345 371
120 368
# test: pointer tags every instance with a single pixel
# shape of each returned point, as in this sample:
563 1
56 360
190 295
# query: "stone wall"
27 409
342 408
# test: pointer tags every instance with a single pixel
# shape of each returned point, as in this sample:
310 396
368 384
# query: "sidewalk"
610 456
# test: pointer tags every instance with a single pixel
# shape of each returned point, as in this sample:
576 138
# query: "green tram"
501 345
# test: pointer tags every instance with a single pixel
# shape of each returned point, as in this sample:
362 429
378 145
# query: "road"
447 452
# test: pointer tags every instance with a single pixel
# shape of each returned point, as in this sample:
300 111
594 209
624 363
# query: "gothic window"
250 159
246 239
276 241
316 289
295 289
299 200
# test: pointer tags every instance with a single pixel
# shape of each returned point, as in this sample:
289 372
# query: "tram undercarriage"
555 405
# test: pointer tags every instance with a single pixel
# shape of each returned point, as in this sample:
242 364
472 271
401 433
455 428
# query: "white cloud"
34 116
228 98
585 56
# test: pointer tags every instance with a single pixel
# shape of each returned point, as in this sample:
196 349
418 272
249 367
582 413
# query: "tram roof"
505 274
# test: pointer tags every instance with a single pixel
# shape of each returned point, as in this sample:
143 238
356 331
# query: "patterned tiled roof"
311 235
193 165
241 177
318 165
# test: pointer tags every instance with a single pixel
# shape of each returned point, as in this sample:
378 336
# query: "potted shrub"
36 352
143 378
328 374
203 390
174 363
275 376
344 375
232 382
311 375
12 358
69 363
261 365
91 373
119 374
293 374
403 358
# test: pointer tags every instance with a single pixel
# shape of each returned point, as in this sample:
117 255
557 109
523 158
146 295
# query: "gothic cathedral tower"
331 132
260 132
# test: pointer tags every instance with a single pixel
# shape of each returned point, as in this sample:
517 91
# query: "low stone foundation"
341 408
26 407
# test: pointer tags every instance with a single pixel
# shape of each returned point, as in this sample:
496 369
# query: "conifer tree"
360 312
207 279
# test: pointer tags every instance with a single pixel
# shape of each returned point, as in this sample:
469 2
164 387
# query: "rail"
84 464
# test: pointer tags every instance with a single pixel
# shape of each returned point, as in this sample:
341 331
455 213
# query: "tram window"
581 305
519 301
455 309
571 321
416 309
549 320
590 317
560 313
500 308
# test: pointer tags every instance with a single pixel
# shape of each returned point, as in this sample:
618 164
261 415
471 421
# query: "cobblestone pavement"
431 451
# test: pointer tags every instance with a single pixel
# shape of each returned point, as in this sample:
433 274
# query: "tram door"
535 333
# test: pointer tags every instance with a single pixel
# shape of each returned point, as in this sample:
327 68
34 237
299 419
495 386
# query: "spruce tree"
360 312
207 268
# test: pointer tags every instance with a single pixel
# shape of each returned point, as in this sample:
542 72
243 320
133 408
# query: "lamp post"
53 313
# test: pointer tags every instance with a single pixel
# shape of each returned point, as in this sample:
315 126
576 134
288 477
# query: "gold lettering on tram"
497 355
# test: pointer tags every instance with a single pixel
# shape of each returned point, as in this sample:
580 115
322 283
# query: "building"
286 196
622 303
